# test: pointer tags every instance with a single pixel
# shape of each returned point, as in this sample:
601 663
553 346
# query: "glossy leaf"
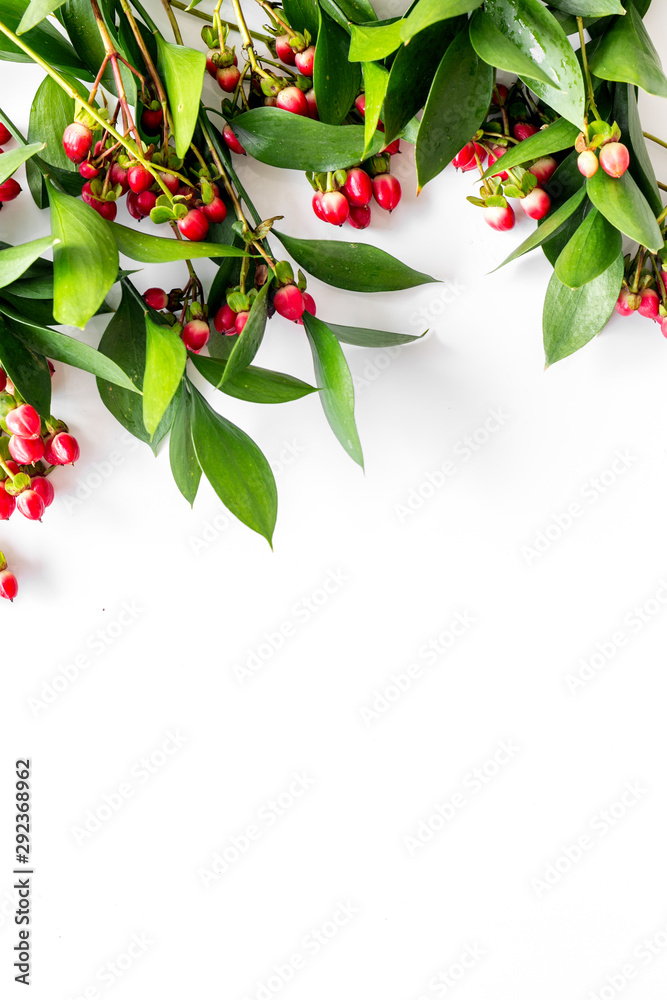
495 46
332 375
591 250
79 20
623 204
626 53
302 15
44 39
282 139
256 385
547 228
376 79
85 261
149 249
555 244
35 12
335 79
362 337
165 363
427 12
561 135
457 104
248 341
14 158
572 317
590 8
357 11
14 261
235 467
28 370
182 70
358 267
51 112
185 468
369 42
625 112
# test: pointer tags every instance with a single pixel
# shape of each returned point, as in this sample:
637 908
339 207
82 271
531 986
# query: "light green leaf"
165 363
591 250
36 11
15 260
151 249
552 223
369 42
13 158
182 70
247 343
376 78
626 53
428 12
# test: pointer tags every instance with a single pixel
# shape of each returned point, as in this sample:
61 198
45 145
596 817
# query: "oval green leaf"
14 158
35 12
369 42
572 317
362 337
558 136
182 70
550 225
44 39
427 12
498 49
625 112
623 204
335 79
247 343
256 385
185 468
626 53
151 249
166 357
302 15
376 78
592 249
14 261
590 8
27 369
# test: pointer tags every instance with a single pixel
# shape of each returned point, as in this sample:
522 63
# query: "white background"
206 593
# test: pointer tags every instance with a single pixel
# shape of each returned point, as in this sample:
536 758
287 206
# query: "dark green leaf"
336 80
12 160
247 343
28 371
495 46
151 249
165 363
428 12
561 135
235 467
376 78
357 11
572 317
357 267
626 114
626 53
591 250
548 227
457 104
302 15
184 465
621 201
282 139
51 112
45 40
256 385
369 42
35 310
182 70
362 337
590 8
554 245
14 261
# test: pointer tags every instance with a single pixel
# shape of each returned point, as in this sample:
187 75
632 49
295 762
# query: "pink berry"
9 190
650 304
228 77
294 100
312 105
146 202
587 163
7 503
386 191
360 216
24 420
284 50
151 119
360 105
499 217
156 298
5 134
9 587
77 142
215 211
317 206
133 207
289 303
536 204
119 176
309 303
44 487
195 335
30 504
26 451
194 225
224 321
522 130
240 321
615 159
230 138
495 154
465 160
663 326
88 170
305 61
139 178
358 187
63 449
335 207
171 182
623 306
211 65
544 169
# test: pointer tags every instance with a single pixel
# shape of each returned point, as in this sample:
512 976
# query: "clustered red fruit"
644 293
599 147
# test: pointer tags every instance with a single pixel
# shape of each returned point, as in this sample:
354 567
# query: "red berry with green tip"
171 182
119 176
107 209
156 298
360 216
588 163
500 217
228 77
305 61
294 100
623 306
24 420
7 503
30 504
284 50
195 335
77 142
215 211
9 190
139 178
224 321
88 170
230 138
44 487
63 449
335 207
26 451
9 587
650 304
536 204
615 159
387 191
194 225
289 303
358 187
240 321
522 130
544 169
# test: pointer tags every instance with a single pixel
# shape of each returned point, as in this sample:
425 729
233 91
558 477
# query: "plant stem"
112 56
172 21
654 138
150 66
277 18
587 72
207 17
247 40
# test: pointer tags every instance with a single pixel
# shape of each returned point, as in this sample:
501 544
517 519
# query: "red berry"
26 451
195 335
623 306
289 303
194 225
224 321
386 191
294 100
663 326
360 105
650 304
335 207
215 211
30 504
77 142
151 119
317 206
360 216
44 487
228 77
24 420
305 61
119 176
5 134
233 143
171 182
9 587
9 190
522 130
13 467
146 202
63 449
88 170
133 207
588 163
3 379
465 160
358 187
495 154
156 298
139 178
544 169
500 218
536 204
309 303
615 159
500 94
240 321
107 209
7 503
284 50
312 105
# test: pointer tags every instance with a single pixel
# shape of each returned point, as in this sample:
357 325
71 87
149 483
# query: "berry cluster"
613 156
644 290
10 188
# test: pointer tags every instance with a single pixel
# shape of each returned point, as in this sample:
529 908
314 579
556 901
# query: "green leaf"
495 46
35 12
151 249
247 343
590 8
85 261
185 468
625 112
362 337
572 317
428 12
235 467
410 79
555 244
256 385
12 160
15 260
79 21
623 204
626 53
28 371
333 377
593 248
561 135
548 227
357 267
457 104
182 70
376 79
303 15
51 112
282 139
165 363
357 11
45 40
335 79
124 342
369 42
